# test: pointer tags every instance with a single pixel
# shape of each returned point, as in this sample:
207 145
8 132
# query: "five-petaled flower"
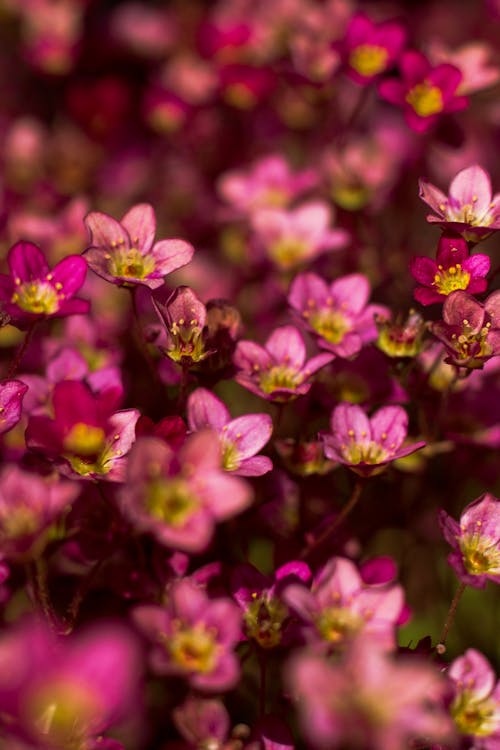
125 253
278 371
369 48
33 291
475 541
454 268
469 208
469 330
366 445
425 92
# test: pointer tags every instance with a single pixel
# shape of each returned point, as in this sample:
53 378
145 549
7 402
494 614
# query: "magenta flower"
371 48
469 208
338 315
339 606
367 445
240 439
33 291
29 505
368 699
425 92
279 370
180 497
454 268
202 722
269 183
68 691
85 437
266 616
475 541
184 317
125 253
11 403
193 636
470 330
297 236
475 708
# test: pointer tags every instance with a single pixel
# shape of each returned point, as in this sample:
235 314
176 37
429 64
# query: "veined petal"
472 186
27 262
286 346
170 255
351 292
140 223
349 421
206 410
389 426
69 274
249 433
106 231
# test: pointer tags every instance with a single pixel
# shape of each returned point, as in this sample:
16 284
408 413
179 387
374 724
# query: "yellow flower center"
335 624
61 714
448 280
474 717
170 500
277 377
193 649
330 324
480 554
84 439
129 263
475 345
368 59
425 99
264 620
38 297
289 252
367 452
230 456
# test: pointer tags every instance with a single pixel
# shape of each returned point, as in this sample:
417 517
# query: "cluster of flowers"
230 475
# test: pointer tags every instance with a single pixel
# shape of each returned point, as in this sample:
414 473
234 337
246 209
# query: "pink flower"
475 541
66 692
371 48
297 236
193 636
268 183
469 208
125 253
425 92
454 268
367 445
184 317
180 497
240 439
85 437
368 699
29 505
12 393
279 370
202 722
473 59
469 330
32 291
475 708
337 314
339 606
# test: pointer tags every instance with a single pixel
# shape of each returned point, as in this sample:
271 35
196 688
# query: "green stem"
37 576
20 352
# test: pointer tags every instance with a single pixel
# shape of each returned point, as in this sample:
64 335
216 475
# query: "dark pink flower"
193 636
125 253
475 708
29 505
425 92
180 497
240 439
278 371
337 314
366 445
266 616
340 605
370 48
368 699
470 330
469 208
454 268
33 291
475 541
12 393
86 437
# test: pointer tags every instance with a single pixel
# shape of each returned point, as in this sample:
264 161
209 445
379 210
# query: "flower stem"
450 617
20 352
337 521
262 684
37 576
